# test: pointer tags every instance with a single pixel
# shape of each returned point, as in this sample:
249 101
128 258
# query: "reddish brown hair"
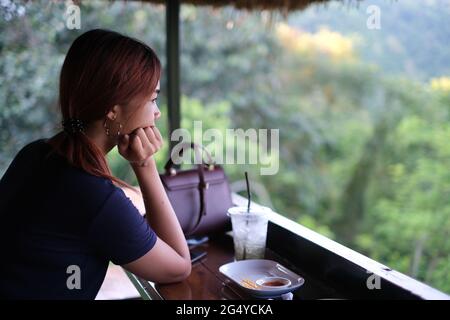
102 68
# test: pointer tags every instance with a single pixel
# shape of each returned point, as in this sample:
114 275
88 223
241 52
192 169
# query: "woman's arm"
169 260
160 214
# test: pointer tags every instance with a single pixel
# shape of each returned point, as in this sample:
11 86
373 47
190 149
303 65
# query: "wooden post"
173 65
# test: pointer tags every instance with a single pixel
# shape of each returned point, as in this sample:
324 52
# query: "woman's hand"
139 146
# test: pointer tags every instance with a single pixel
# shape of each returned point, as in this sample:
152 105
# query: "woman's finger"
153 139
143 137
151 135
150 145
136 145
157 134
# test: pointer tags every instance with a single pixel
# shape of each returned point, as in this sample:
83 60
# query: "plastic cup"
249 231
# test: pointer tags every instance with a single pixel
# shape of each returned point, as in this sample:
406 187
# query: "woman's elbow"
185 272
188 270
182 273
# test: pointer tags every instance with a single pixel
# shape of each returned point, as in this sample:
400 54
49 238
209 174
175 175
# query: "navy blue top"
60 227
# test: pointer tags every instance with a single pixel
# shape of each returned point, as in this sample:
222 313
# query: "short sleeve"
119 232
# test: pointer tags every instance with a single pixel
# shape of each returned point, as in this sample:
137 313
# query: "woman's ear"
114 113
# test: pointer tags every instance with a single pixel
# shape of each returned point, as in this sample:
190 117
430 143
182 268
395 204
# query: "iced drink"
249 231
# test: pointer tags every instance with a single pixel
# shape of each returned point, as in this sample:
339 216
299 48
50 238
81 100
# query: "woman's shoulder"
25 162
30 148
58 171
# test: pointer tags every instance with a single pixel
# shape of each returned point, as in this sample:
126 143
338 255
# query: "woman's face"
145 115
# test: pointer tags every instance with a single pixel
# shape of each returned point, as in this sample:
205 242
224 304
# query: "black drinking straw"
249 197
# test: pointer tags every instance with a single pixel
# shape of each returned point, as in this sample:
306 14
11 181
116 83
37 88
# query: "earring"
106 127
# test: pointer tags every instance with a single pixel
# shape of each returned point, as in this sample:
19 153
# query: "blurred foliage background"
363 114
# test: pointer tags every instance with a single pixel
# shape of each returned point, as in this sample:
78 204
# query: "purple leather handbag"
199 196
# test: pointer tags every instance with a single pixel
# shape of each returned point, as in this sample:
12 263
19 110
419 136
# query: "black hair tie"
72 125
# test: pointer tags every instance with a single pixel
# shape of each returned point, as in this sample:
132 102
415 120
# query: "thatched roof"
282 5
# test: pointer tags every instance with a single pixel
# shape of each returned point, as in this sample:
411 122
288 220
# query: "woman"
63 215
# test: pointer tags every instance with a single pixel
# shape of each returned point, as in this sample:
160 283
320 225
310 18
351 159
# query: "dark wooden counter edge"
341 268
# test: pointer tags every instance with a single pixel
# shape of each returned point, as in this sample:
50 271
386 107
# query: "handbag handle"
170 166
203 186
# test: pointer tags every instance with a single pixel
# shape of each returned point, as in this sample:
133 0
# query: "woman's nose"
157 113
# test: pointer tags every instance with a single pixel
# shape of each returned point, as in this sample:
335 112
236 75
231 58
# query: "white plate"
253 270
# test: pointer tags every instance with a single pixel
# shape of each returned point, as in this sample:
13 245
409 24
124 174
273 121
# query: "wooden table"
205 281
